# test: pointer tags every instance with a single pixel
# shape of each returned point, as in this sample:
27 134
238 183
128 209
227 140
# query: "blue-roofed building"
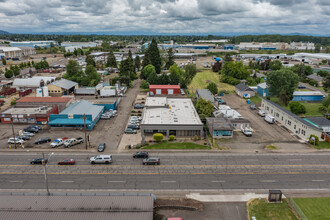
33 44
262 89
228 47
307 96
73 116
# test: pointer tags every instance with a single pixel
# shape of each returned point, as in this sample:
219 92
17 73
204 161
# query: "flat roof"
22 111
45 99
156 102
309 93
179 112
205 94
164 86
83 107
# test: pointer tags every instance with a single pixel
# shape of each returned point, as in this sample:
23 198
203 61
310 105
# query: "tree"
326 82
144 85
174 79
72 68
9 74
204 108
213 88
190 71
228 57
322 73
282 83
90 61
92 78
154 56
275 65
216 66
317 48
163 79
137 62
127 69
302 70
297 108
170 58
235 69
4 62
147 71
146 61
111 60
16 70
326 102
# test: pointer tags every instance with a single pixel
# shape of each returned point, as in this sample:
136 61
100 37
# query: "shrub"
230 80
144 85
171 138
213 88
13 101
312 141
322 109
138 146
133 111
196 138
297 107
158 137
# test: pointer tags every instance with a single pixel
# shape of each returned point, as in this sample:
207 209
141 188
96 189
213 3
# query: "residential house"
244 91
220 127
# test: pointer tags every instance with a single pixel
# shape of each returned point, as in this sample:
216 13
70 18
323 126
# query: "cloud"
166 16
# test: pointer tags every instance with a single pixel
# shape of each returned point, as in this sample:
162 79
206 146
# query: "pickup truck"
246 131
58 142
73 141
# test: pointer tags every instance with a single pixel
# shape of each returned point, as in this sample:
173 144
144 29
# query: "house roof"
307 93
90 91
164 86
315 77
263 85
83 107
29 82
291 114
45 99
243 87
220 124
64 83
318 121
205 94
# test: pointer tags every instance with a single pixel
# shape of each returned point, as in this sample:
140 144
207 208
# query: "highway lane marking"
268 181
295 159
116 181
168 181
67 181
318 180
252 160
16 181
218 181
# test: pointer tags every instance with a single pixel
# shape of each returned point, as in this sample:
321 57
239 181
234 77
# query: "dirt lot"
199 61
263 134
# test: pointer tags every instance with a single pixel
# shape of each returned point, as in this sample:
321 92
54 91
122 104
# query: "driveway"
263 133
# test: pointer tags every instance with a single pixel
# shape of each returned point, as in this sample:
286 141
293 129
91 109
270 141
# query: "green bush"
297 107
13 101
138 146
316 139
322 109
230 80
171 138
144 85
158 137
133 111
196 138
213 88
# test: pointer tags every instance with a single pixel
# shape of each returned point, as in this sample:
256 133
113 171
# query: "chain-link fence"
300 213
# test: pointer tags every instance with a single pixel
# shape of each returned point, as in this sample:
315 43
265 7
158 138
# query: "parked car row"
32 129
133 125
268 118
66 142
109 114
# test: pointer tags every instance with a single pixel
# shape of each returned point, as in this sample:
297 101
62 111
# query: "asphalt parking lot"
264 133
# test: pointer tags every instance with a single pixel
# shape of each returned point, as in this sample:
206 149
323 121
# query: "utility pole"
45 170
12 127
85 132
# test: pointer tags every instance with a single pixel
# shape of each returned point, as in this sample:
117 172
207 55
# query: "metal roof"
205 94
45 99
90 91
308 93
318 121
291 114
220 124
263 85
64 83
315 77
29 82
243 87
164 86
83 107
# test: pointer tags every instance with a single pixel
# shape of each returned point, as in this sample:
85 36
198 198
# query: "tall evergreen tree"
152 56
137 62
146 61
170 57
111 61
90 61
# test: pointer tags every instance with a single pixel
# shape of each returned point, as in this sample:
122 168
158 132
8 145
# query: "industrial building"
16 52
33 83
33 44
170 116
298 126
165 89
78 114
62 87
28 115
60 102
220 127
315 96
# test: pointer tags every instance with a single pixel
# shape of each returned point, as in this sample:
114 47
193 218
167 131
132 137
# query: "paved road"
176 172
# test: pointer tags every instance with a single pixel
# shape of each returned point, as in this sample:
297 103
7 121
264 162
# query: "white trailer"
107 92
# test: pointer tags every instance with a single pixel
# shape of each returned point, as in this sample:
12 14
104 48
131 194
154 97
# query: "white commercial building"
170 116
13 52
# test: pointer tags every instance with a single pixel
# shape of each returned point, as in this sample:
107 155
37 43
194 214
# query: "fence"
300 213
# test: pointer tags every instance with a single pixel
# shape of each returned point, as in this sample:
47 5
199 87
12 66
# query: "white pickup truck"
73 141
58 142
246 131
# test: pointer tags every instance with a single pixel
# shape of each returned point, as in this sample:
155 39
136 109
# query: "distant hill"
4 32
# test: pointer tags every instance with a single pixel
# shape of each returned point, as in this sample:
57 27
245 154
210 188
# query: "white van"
270 119
101 159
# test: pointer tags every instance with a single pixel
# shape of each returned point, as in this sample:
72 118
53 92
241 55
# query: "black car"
151 161
101 147
300 86
24 137
38 161
35 126
133 126
141 154
42 140
31 129
138 106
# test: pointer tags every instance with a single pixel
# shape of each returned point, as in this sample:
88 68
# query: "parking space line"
169 181
218 181
318 180
67 181
116 181
268 181
16 181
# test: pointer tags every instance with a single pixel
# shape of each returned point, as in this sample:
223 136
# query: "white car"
262 113
58 142
17 140
101 159
27 134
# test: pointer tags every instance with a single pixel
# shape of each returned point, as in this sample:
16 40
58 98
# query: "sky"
166 16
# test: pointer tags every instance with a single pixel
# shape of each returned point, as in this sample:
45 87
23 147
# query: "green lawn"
255 99
203 78
322 145
170 145
270 211
314 208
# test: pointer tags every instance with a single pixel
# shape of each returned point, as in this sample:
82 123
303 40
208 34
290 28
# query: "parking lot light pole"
12 127
85 131
45 170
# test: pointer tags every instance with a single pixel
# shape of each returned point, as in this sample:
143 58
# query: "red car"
67 162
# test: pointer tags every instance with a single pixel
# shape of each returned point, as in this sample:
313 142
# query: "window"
267 108
294 126
303 132
277 115
235 125
282 118
289 122
271 111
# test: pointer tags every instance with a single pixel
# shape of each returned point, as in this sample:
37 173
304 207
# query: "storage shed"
220 127
262 89
73 116
165 89
244 91
307 96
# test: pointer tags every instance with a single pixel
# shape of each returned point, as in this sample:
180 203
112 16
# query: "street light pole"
12 127
45 171
85 131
